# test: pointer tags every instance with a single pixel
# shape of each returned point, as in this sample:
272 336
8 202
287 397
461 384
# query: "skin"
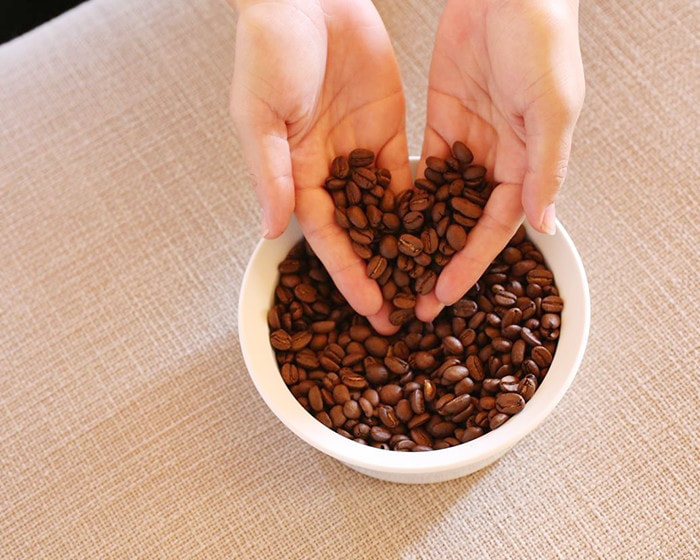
317 78
506 78
314 79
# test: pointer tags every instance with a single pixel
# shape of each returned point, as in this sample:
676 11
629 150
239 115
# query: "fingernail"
548 220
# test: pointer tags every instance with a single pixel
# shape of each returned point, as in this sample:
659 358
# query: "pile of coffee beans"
430 385
407 239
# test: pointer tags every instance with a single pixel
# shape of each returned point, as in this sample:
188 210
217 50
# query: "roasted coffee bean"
452 345
376 266
540 277
552 304
281 340
436 164
387 416
390 393
376 373
474 173
462 153
550 321
425 283
527 386
541 356
509 403
475 367
410 245
522 267
364 178
361 157
340 167
404 300
466 207
361 236
363 251
518 352
377 346
465 308
529 337
404 411
456 236
455 373
505 298
497 420
356 217
400 317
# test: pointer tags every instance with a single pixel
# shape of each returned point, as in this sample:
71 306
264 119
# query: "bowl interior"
256 298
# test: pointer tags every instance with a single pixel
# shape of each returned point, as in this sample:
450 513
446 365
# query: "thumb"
263 140
548 146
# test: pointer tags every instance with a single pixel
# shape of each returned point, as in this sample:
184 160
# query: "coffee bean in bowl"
436 401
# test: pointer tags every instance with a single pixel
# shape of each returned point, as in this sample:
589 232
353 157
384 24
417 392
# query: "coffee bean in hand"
417 231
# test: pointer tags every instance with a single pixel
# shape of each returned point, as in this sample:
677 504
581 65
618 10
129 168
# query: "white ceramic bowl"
256 299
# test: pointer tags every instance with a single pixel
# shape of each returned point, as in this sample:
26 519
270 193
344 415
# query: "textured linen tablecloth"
129 427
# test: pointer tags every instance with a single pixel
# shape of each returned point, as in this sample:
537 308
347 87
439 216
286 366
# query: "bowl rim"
264 372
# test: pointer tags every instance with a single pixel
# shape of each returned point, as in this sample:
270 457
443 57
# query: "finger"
548 136
263 140
380 321
394 157
501 218
315 213
428 307
433 145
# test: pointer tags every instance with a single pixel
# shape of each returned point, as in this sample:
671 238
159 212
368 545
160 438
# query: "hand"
315 79
507 79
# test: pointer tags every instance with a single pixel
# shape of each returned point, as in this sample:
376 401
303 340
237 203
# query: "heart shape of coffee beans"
407 239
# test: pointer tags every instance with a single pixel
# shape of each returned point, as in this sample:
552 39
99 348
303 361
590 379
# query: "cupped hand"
315 79
506 78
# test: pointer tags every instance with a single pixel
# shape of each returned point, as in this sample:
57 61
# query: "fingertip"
548 222
428 307
380 320
542 219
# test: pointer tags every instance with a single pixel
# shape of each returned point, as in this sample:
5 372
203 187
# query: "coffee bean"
413 220
361 236
390 393
552 304
377 346
425 283
540 276
400 317
281 340
541 356
410 245
376 266
456 236
466 207
462 153
474 173
509 403
379 433
361 157
340 167
550 321
404 300
364 178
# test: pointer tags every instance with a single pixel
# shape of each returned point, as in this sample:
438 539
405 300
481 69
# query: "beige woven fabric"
128 425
